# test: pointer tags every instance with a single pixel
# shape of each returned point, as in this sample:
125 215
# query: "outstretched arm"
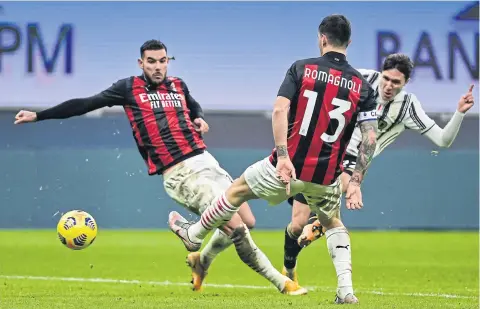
76 107
418 120
71 108
445 137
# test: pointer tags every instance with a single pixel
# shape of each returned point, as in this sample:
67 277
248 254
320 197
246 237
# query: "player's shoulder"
371 76
123 84
406 97
300 64
176 81
308 61
124 81
406 104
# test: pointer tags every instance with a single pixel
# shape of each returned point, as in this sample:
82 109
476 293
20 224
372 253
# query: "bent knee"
296 228
332 223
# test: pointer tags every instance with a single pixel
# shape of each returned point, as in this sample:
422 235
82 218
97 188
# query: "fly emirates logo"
164 100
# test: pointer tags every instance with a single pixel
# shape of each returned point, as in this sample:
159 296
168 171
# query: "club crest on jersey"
382 124
165 100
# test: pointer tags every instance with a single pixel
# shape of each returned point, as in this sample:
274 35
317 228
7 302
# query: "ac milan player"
318 105
162 114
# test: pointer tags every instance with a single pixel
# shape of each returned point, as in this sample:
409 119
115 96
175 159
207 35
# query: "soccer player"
397 110
315 112
163 115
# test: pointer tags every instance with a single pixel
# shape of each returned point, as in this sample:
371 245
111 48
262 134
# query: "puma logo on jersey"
344 247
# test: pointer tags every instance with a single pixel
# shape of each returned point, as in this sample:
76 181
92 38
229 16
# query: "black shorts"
349 162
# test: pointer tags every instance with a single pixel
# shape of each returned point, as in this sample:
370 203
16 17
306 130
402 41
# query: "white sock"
251 255
217 214
219 242
338 243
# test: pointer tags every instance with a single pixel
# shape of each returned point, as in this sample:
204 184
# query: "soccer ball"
77 229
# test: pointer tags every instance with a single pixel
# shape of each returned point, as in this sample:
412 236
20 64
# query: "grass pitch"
146 269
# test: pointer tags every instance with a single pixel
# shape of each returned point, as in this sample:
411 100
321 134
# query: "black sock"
291 250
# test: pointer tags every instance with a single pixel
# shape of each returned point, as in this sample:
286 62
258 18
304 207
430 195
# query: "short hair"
400 62
337 29
152 45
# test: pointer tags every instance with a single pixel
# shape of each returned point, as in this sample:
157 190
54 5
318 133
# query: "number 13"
337 113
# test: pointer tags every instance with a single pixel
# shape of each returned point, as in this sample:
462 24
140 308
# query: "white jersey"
403 112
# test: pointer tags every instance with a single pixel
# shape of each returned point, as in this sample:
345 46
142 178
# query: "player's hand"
201 126
25 116
353 197
466 101
285 172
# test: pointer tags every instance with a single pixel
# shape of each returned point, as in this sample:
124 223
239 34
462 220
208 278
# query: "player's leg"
220 241
215 215
249 253
247 216
252 256
315 230
258 181
234 228
200 262
326 203
195 184
300 216
222 213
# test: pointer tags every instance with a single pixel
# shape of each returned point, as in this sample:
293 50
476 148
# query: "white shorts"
196 182
323 200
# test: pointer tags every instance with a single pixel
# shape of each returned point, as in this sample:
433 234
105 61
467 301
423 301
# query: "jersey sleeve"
196 110
289 87
115 95
367 107
112 96
416 118
370 75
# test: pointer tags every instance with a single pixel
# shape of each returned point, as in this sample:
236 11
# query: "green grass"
440 268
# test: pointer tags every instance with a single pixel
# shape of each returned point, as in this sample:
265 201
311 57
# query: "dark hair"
400 62
152 45
337 30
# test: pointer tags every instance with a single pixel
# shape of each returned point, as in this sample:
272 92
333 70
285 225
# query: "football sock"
251 255
217 214
219 242
291 249
338 243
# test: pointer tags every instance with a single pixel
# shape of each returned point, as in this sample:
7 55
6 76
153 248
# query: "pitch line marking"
228 286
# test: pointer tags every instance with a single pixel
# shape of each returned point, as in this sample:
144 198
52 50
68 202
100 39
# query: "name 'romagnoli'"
332 79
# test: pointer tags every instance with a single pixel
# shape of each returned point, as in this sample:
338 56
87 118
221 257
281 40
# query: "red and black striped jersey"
327 98
161 117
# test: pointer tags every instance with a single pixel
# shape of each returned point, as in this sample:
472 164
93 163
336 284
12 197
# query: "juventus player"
397 110
317 106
